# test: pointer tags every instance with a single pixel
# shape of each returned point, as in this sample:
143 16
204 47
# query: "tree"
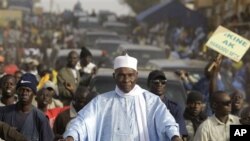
140 5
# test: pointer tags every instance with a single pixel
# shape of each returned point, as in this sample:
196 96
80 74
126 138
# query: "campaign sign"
239 132
228 43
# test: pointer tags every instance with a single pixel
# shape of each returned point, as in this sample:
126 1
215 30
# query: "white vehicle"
143 53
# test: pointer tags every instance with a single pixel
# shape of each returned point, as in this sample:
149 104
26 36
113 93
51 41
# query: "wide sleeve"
83 127
77 129
165 122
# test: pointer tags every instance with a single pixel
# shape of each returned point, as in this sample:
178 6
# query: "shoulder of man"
234 119
170 102
150 97
8 108
106 95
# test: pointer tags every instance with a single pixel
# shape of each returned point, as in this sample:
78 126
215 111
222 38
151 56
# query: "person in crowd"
186 79
44 75
85 65
8 83
68 77
126 113
18 75
2 73
241 78
29 66
216 127
44 99
27 119
86 68
193 113
50 90
237 102
157 84
210 83
245 116
81 98
9 133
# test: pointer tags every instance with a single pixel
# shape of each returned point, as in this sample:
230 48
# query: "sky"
89 5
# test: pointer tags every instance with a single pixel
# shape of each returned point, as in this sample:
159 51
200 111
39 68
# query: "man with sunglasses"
157 83
216 127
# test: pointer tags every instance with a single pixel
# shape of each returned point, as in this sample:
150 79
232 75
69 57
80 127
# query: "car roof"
65 52
143 73
111 23
166 64
89 33
139 47
115 41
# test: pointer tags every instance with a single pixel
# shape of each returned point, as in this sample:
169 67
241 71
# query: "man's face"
158 86
9 86
125 78
237 101
82 99
73 59
45 96
85 61
223 104
25 95
195 107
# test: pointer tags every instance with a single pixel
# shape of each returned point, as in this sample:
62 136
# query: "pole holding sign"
228 43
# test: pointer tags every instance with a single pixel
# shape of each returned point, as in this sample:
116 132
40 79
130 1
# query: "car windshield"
91 38
108 47
144 56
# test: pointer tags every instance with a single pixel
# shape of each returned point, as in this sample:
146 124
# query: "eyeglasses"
156 82
225 103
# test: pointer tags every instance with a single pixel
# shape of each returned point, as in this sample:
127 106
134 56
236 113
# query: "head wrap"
125 61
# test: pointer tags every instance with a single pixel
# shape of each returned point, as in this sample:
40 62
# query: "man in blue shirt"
157 83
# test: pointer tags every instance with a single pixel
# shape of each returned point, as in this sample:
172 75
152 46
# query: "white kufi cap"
125 61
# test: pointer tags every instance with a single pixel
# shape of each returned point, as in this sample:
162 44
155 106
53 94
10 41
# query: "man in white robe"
128 113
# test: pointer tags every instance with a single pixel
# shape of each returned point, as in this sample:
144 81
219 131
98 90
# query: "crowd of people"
69 110
43 101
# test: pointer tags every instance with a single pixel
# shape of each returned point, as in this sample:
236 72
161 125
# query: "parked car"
143 53
91 36
88 22
109 45
121 28
104 82
195 68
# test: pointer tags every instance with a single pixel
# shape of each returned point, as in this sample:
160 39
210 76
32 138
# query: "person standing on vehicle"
124 114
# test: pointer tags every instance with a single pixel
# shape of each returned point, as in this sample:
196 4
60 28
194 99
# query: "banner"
228 43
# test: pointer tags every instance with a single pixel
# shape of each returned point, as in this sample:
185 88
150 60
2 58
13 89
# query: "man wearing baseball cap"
27 119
